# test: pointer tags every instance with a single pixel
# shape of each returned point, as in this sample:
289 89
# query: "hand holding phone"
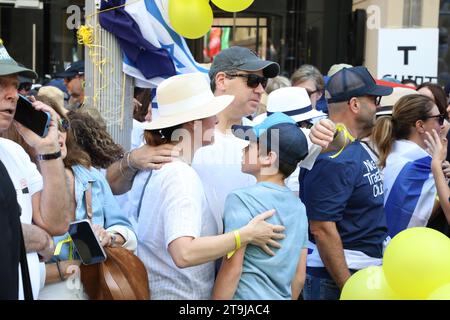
86 243
35 120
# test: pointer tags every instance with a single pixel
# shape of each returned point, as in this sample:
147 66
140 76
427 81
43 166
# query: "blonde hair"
308 72
406 112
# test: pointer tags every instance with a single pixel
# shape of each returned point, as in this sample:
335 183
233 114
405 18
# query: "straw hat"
292 101
388 102
185 98
55 95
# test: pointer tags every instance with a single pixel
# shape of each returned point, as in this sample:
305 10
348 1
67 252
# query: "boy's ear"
270 159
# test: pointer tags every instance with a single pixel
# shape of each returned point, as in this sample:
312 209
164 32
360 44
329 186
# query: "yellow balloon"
190 18
417 262
443 293
233 5
368 284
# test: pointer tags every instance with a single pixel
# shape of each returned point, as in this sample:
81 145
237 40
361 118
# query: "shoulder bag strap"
88 201
26 282
142 194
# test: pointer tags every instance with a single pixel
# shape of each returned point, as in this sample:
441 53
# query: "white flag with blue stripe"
152 19
409 187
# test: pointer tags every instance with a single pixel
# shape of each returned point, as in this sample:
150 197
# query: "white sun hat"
292 101
184 98
387 103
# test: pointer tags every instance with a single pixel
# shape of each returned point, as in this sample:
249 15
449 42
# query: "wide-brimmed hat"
292 101
185 98
55 95
387 103
9 66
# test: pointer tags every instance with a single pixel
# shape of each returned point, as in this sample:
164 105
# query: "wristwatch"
49 156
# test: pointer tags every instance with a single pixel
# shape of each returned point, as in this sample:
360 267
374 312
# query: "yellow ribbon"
340 128
85 35
59 247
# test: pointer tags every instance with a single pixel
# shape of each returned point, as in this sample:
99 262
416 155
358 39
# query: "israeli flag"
409 187
152 19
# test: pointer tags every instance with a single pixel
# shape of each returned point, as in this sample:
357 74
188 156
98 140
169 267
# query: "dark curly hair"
93 138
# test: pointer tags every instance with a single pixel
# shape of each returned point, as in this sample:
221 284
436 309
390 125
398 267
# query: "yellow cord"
340 128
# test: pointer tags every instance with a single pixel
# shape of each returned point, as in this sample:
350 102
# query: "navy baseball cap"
277 132
353 83
76 68
243 59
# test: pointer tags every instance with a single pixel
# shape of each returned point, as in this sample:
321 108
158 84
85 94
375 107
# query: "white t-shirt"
27 181
173 206
308 163
219 168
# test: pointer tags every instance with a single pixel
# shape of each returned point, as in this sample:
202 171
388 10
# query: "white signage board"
408 54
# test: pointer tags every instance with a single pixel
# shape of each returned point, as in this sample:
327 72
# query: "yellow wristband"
237 239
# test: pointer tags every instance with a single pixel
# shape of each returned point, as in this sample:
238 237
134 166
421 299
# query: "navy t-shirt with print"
348 190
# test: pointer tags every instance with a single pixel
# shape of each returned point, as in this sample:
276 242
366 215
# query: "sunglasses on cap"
440 118
253 80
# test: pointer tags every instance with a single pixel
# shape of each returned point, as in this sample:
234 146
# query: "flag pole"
108 90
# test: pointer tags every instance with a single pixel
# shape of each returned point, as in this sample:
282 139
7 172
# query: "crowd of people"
250 187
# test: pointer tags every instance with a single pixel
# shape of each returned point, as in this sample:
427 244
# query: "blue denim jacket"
105 210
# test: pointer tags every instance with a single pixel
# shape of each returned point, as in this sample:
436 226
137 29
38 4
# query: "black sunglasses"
253 80
440 117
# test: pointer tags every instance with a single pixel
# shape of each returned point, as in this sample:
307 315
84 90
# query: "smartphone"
36 121
86 243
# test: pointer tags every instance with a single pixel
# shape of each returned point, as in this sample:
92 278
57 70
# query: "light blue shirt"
105 210
265 277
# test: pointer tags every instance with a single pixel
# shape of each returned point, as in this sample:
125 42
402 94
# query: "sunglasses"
440 117
63 125
253 80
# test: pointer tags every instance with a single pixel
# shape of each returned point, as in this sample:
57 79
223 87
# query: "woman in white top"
178 236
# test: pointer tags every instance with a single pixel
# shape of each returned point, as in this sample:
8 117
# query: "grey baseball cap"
8 66
243 59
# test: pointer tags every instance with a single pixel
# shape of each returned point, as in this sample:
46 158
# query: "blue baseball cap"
277 132
76 68
353 83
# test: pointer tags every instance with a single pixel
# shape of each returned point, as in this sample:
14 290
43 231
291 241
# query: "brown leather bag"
122 276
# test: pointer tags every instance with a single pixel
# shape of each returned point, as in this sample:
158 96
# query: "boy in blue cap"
276 147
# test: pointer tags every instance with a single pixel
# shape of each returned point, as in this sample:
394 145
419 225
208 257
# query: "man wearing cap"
74 80
35 193
343 193
239 72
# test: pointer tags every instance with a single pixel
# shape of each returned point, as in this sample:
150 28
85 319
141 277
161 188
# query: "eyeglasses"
25 86
253 80
376 99
63 125
310 93
440 117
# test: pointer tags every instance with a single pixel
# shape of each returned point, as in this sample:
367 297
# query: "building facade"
42 33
